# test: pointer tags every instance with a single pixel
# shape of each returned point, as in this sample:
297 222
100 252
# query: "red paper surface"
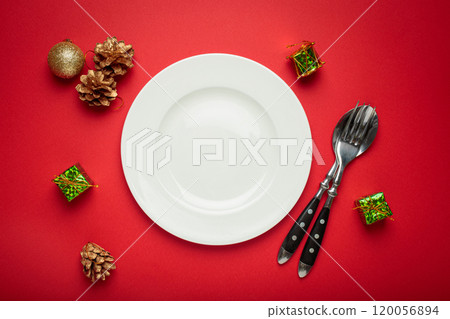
394 57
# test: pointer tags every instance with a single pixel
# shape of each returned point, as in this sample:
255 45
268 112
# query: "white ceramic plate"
183 116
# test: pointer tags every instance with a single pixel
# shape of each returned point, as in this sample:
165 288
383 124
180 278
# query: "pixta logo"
304 151
140 149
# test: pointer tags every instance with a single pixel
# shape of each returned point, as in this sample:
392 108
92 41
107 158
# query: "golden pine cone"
97 89
96 261
113 57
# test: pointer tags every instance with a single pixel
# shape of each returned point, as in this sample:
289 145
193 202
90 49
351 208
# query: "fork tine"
359 131
357 124
350 119
367 121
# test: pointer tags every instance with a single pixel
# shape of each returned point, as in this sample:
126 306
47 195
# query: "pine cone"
113 57
97 89
96 261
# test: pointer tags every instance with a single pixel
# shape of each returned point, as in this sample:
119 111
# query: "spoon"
355 138
295 235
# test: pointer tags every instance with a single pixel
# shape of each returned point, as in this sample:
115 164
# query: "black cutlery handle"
299 228
315 238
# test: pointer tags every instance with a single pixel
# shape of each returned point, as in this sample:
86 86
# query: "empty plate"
216 149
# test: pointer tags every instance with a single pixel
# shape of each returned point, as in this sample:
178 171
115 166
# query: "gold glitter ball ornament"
65 59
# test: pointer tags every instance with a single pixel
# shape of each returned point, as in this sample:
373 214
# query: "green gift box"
305 59
73 181
373 208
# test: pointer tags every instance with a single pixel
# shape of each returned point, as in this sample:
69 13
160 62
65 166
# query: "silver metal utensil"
298 230
356 136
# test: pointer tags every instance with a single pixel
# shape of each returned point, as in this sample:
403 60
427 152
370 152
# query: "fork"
350 142
298 229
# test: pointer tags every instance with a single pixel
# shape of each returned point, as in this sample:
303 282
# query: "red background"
395 57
